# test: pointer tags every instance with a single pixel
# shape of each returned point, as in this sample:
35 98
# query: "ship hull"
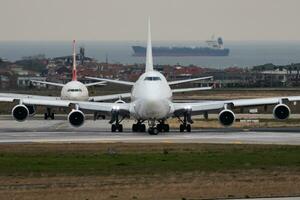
180 51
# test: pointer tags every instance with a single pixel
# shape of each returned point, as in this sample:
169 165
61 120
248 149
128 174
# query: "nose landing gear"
155 129
139 127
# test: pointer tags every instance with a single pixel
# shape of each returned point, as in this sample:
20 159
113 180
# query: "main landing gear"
185 122
162 127
139 127
48 114
116 126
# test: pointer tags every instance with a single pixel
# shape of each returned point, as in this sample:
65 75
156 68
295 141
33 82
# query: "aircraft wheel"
134 127
150 131
143 128
188 128
52 116
181 128
166 127
159 127
45 116
120 128
113 128
153 131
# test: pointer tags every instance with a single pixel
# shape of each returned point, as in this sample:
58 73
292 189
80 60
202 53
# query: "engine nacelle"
31 110
119 101
226 117
76 118
20 113
281 111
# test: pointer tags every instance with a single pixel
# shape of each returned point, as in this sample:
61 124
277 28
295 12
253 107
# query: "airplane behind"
74 89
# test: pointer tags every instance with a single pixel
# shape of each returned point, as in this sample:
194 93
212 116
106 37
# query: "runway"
282 198
59 131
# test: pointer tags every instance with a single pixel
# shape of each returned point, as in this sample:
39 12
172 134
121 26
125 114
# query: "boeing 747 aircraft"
151 101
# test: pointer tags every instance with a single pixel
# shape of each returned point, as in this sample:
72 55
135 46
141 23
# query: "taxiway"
59 131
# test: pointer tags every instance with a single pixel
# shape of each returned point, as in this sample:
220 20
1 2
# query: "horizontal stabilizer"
191 89
111 81
48 83
189 80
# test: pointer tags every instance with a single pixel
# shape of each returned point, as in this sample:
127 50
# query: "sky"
171 20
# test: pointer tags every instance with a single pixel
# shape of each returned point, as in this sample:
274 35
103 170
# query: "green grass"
167 160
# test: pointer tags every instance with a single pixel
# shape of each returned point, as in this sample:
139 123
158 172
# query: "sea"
242 53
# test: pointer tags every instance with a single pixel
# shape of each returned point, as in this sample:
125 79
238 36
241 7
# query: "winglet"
149 58
74 70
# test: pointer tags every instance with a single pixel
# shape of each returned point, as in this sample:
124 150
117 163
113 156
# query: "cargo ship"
214 48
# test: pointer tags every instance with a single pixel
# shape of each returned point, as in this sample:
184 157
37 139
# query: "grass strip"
116 160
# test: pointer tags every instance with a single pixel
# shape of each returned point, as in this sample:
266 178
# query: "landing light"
188 107
116 108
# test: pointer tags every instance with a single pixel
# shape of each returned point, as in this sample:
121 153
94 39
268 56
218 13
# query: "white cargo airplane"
151 100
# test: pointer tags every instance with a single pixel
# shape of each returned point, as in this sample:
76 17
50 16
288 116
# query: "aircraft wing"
102 107
95 83
189 80
112 81
200 107
93 98
122 108
190 89
48 83
57 102
110 97
19 96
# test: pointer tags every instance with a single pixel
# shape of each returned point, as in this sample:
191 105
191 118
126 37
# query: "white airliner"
151 101
73 90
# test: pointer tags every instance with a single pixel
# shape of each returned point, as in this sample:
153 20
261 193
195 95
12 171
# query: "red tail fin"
74 71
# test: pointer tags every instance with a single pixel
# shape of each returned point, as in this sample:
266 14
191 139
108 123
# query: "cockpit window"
152 78
74 90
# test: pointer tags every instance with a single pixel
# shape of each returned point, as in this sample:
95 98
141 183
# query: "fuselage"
75 90
151 97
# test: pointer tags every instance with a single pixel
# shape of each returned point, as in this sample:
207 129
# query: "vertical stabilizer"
74 71
149 58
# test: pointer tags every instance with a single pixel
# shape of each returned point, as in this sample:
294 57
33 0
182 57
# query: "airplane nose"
154 109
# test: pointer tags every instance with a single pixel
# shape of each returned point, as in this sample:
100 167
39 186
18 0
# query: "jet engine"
119 101
31 109
20 113
76 118
281 111
226 117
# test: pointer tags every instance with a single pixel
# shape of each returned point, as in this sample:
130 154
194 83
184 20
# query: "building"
25 81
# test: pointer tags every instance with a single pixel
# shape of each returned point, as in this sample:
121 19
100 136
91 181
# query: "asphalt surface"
99 131
282 198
